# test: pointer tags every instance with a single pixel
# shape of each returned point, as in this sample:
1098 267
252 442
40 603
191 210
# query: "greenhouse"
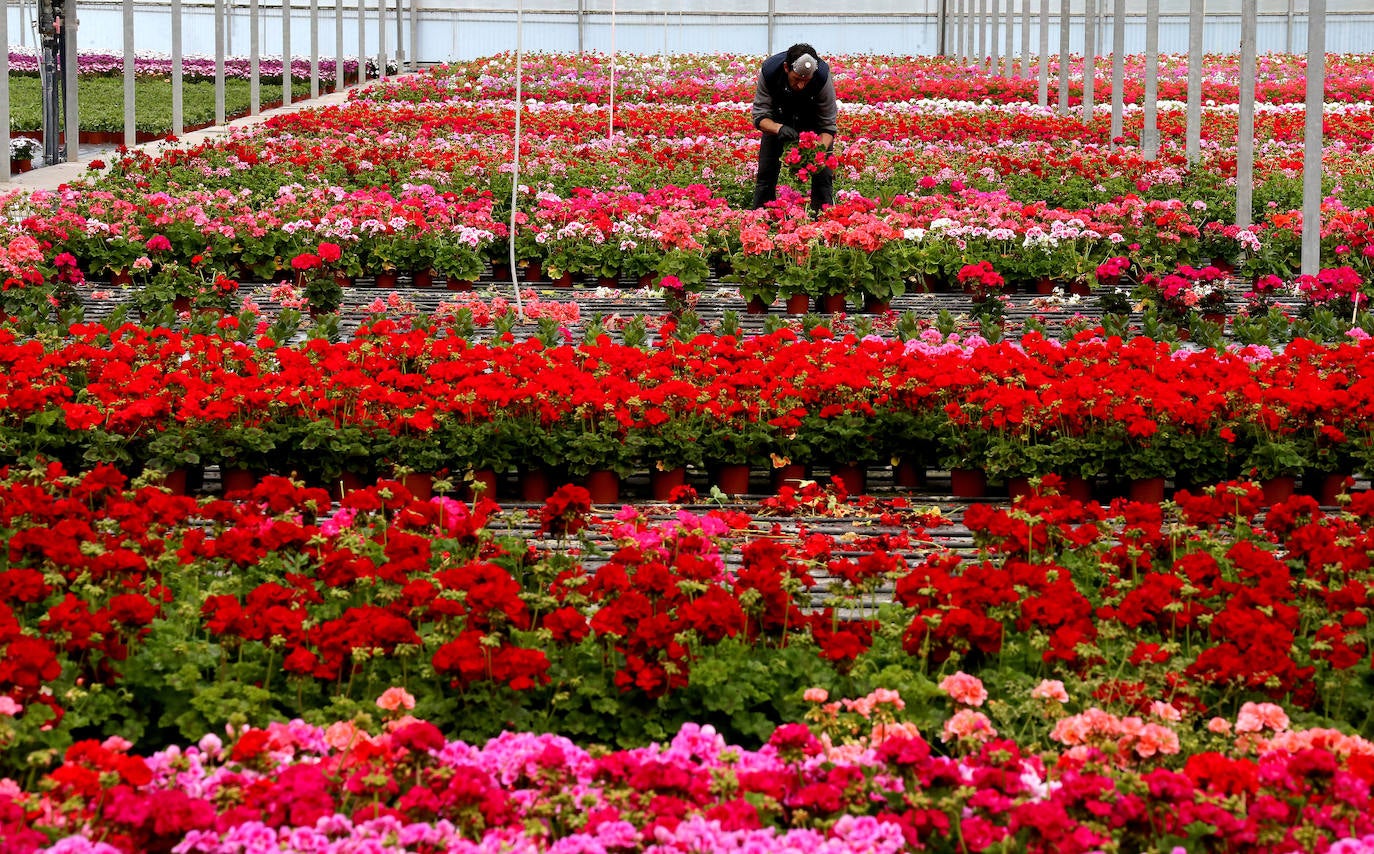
681 426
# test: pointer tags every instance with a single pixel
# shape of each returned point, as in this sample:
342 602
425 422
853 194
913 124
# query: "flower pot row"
1325 487
534 484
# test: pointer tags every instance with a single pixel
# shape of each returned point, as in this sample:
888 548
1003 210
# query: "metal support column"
1118 67
772 10
982 54
254 58
1063 57
219 62
1149 132
942 43
1043 90
1009 45
1193 131
69 78
1288 28
958 35
1245 127
1312 138
5 96
285 52
338 45
314 48
1025 39
130 114
970 32
178 73
414 35
362 41
995 21
1089 58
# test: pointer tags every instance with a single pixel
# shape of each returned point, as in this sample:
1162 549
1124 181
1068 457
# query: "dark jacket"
813 108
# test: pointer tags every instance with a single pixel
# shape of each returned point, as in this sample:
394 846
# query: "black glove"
787 133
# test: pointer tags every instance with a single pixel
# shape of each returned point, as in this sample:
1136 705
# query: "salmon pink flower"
964 689
1050 689
395 698
1255 717
968 725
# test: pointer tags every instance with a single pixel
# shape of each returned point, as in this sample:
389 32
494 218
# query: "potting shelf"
621 304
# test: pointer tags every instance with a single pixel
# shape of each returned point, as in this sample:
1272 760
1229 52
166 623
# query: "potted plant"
239 447
735 446
1189 291
317 276
23 151
669 449
459 262
168 284
757 274
175 449
845 441
961 449
688 267
837 271
1273 455
588 444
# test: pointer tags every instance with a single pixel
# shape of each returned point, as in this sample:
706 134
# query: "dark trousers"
770 163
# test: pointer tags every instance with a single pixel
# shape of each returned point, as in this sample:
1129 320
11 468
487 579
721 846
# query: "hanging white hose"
515 170
610 127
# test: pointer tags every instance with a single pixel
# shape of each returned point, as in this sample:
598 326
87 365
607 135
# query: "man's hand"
786 134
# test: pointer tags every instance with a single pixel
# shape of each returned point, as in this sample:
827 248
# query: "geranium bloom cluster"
25 60
1191 289
866 78
1161 618
424 146
1119 409
403 787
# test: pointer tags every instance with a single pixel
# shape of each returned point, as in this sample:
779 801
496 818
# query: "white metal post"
995 20
1193 130
1043 95
515 163
130 114
1245 125
958 34
772 10
1025 39
1089 59
314 48
254 58
414 35
72 120
338 45
1118 67
1063 57
362 41
219 62
982 32
1312 138
381 39
285 52
5 95
178 72
1149 133
1009 46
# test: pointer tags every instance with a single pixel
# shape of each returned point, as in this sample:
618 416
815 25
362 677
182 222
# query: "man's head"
800 64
